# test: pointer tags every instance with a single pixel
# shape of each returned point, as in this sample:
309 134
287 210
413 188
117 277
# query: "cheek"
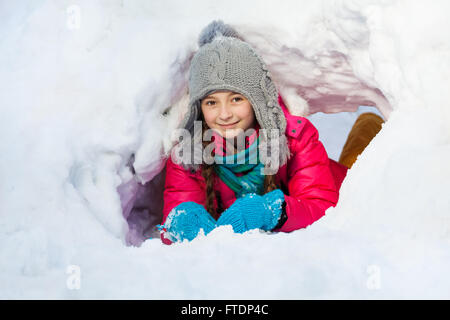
248 114
209 116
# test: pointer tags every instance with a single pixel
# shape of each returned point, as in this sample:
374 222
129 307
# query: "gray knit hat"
225 62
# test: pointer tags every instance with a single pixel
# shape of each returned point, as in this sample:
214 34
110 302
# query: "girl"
280 179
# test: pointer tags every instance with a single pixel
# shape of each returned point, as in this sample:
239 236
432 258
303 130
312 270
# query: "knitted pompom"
214 29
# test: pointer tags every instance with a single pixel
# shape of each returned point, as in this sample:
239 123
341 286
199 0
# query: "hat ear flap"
276 115
269 90
190 117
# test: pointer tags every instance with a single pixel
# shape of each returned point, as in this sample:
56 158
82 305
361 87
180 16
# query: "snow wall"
90 91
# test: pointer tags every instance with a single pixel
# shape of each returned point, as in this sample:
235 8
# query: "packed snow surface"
85 91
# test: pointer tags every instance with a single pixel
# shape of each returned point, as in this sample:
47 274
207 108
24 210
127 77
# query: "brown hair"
209 175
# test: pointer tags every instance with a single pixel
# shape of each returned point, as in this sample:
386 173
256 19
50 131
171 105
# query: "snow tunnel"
325 85
90 91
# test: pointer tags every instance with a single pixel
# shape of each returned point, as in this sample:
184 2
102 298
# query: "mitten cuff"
274 202
283 217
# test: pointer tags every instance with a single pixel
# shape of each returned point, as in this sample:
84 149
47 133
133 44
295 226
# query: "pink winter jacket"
309 180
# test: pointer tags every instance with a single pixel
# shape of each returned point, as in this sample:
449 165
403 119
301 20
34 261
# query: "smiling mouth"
228 125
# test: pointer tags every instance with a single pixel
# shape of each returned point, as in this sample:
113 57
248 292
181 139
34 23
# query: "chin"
232 133
229 135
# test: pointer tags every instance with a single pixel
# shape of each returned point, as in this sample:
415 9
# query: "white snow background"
84 84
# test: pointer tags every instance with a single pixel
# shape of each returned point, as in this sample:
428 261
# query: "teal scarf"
246 160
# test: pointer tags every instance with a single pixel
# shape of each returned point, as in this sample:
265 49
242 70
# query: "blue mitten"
253 211
186 220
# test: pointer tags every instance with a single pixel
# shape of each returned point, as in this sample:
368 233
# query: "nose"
225 112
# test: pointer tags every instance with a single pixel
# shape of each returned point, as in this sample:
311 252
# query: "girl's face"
228 113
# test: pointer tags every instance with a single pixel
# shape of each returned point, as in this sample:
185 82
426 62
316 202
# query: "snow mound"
91 91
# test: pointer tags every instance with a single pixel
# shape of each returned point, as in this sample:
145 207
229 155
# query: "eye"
209 102
237 99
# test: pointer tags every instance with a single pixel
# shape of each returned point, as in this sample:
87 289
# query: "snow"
83 88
